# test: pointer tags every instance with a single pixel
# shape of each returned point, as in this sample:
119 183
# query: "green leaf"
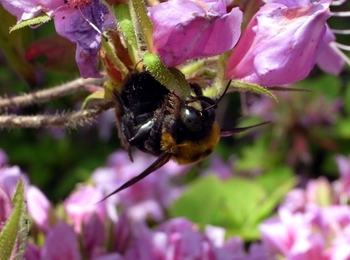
256 157
171 78
122 14
34 21
273 178
12 237
227 204
143 25
238 204
202 202
343 128
239 85
277 184
243 197
98 95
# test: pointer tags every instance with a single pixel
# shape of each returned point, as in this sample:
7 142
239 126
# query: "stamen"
338 2
77 4
90 23
341 14
337 46
339 31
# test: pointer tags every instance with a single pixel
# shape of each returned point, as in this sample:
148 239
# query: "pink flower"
6 206
94 236
282 43
39 208
292 236
61 243
343 184
9 177
191 29
180 239
79 21
83 204
315 234
146 198
219 167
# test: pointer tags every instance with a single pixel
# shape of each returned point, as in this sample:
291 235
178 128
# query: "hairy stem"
45 95
70 120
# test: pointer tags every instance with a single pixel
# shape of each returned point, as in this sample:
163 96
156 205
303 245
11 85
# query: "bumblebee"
157 121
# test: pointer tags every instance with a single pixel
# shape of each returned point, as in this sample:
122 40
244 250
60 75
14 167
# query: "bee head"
198 114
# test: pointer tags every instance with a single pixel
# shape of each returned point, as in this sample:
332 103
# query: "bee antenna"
220 98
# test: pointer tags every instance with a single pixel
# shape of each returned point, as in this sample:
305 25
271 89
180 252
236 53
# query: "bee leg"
142 133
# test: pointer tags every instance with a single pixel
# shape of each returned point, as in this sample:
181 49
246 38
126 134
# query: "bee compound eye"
191 119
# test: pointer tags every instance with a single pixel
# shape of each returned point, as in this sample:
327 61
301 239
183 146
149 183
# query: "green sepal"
122 13
109 89
98 95
13 235
145 27
239 85
172 78
34 21
112 53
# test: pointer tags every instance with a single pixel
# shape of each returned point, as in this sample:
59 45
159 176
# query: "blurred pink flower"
343 185
93 236
191 29
148 197
83 204
6 206
314 234
40 209
61 243
9 177
180 239
219 167
282 43
32 252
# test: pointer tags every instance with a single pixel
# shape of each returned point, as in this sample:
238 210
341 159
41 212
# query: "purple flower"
39 208
32 252
61 243
282 43
94 236
219 167
343 184
146 198
80 22
9 177
181 239
191 29
317 233
6 206
83 204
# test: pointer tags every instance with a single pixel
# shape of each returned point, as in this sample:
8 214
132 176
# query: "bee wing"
161 160
239 129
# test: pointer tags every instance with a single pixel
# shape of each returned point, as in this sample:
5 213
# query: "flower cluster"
313 223
85 227
281 43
